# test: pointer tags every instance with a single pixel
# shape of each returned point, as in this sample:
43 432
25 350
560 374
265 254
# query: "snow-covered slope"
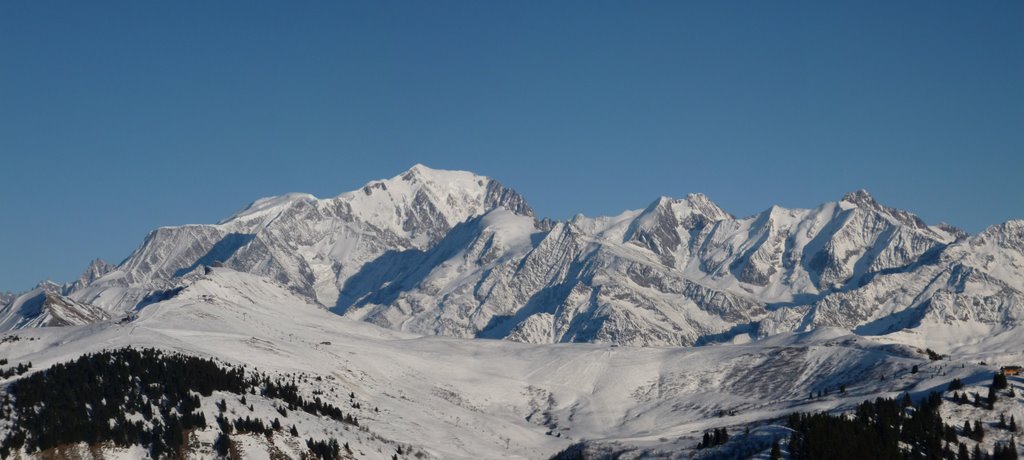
452 398
452 253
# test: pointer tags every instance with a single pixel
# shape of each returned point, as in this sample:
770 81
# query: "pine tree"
999 381
962 453
222 444
776 453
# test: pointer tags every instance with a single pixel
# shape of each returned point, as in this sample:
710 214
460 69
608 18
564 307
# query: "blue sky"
118 117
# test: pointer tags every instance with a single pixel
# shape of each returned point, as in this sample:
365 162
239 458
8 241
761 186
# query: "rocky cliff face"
453 253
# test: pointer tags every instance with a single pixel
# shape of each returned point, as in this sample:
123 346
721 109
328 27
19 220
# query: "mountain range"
457 254
357 324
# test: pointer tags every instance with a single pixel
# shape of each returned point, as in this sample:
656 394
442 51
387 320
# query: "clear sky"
118 117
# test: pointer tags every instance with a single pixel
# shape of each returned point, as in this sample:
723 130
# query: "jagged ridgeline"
145 397
457 254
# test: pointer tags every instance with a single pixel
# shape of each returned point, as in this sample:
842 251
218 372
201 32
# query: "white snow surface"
456 254
456 398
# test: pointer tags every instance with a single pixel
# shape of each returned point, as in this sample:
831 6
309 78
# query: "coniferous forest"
887 429
89 400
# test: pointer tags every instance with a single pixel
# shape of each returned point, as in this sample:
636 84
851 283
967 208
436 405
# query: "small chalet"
1012 370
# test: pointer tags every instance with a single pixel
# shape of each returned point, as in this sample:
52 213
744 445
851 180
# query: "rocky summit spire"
860 197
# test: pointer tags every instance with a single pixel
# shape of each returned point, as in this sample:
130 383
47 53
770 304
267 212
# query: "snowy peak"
701 204
863 200
58 310
954 232
995 256
313 245
656 228
1008 235
44 306
456 195
48 286
860 198
436 195
96 270
455 253
270 206
666 223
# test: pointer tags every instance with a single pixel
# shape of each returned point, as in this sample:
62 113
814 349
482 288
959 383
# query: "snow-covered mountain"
45 306
446 398
685 271
96 269
374 302
312 245
453 253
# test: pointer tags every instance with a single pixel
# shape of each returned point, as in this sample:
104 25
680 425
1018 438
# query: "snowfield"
456 398
436 308
452 253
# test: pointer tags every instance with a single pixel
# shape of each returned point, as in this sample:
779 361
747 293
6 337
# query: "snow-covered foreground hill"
443 397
